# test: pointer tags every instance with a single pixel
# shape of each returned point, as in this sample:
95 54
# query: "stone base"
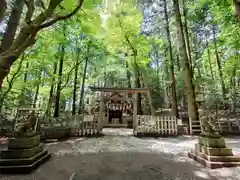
214 162
213 153
23 155
25 165
24 142
212 142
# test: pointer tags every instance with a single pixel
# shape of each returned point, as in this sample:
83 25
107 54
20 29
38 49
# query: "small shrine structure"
118 106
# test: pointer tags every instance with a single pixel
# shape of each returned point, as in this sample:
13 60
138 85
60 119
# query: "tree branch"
69 74
128 40
30 11
15 76
59 18
3 7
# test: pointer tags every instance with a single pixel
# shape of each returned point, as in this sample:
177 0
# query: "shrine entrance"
118 106
115 114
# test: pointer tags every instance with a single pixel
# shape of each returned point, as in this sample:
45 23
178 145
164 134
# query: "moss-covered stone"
25 165
21 153
24 143
212 142
214 151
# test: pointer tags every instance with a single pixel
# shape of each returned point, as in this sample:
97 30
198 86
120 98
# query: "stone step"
216 158
210 164
214 151
21 153
13 169
22 161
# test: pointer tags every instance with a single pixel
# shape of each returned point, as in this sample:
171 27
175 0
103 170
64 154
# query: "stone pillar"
134 111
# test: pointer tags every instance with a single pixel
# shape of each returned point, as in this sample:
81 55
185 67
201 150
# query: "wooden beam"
101 113
128 90
135 123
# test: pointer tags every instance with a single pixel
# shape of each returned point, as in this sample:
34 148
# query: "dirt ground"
120 156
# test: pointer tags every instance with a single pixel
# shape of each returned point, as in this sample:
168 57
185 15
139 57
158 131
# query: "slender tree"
186 71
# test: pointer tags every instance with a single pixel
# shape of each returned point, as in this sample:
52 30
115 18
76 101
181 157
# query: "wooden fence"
78 125
226 126
160 125
86 125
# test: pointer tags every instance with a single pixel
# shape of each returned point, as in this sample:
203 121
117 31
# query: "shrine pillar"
102 112
135 112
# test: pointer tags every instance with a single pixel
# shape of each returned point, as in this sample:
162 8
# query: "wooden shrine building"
118 106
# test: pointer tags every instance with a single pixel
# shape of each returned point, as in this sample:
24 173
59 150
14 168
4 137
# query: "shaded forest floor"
120 156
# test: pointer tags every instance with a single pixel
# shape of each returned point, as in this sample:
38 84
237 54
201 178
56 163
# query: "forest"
185 52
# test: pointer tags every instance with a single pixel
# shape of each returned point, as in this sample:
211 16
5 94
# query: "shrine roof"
128 90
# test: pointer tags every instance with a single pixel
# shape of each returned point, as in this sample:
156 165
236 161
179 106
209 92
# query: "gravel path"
120 156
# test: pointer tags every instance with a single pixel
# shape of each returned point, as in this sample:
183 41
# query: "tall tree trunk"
237 7
81 107
178 63
59 84
218 62
138 85
75 84
3 94
105 78
186 33
12 25
194 63
3 7
51 98
166 78
37 89
128 75
172 77
187 73
23 98
139 96
233 83
210 62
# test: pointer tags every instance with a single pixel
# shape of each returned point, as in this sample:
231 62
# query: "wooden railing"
85 125
162 125
79 125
